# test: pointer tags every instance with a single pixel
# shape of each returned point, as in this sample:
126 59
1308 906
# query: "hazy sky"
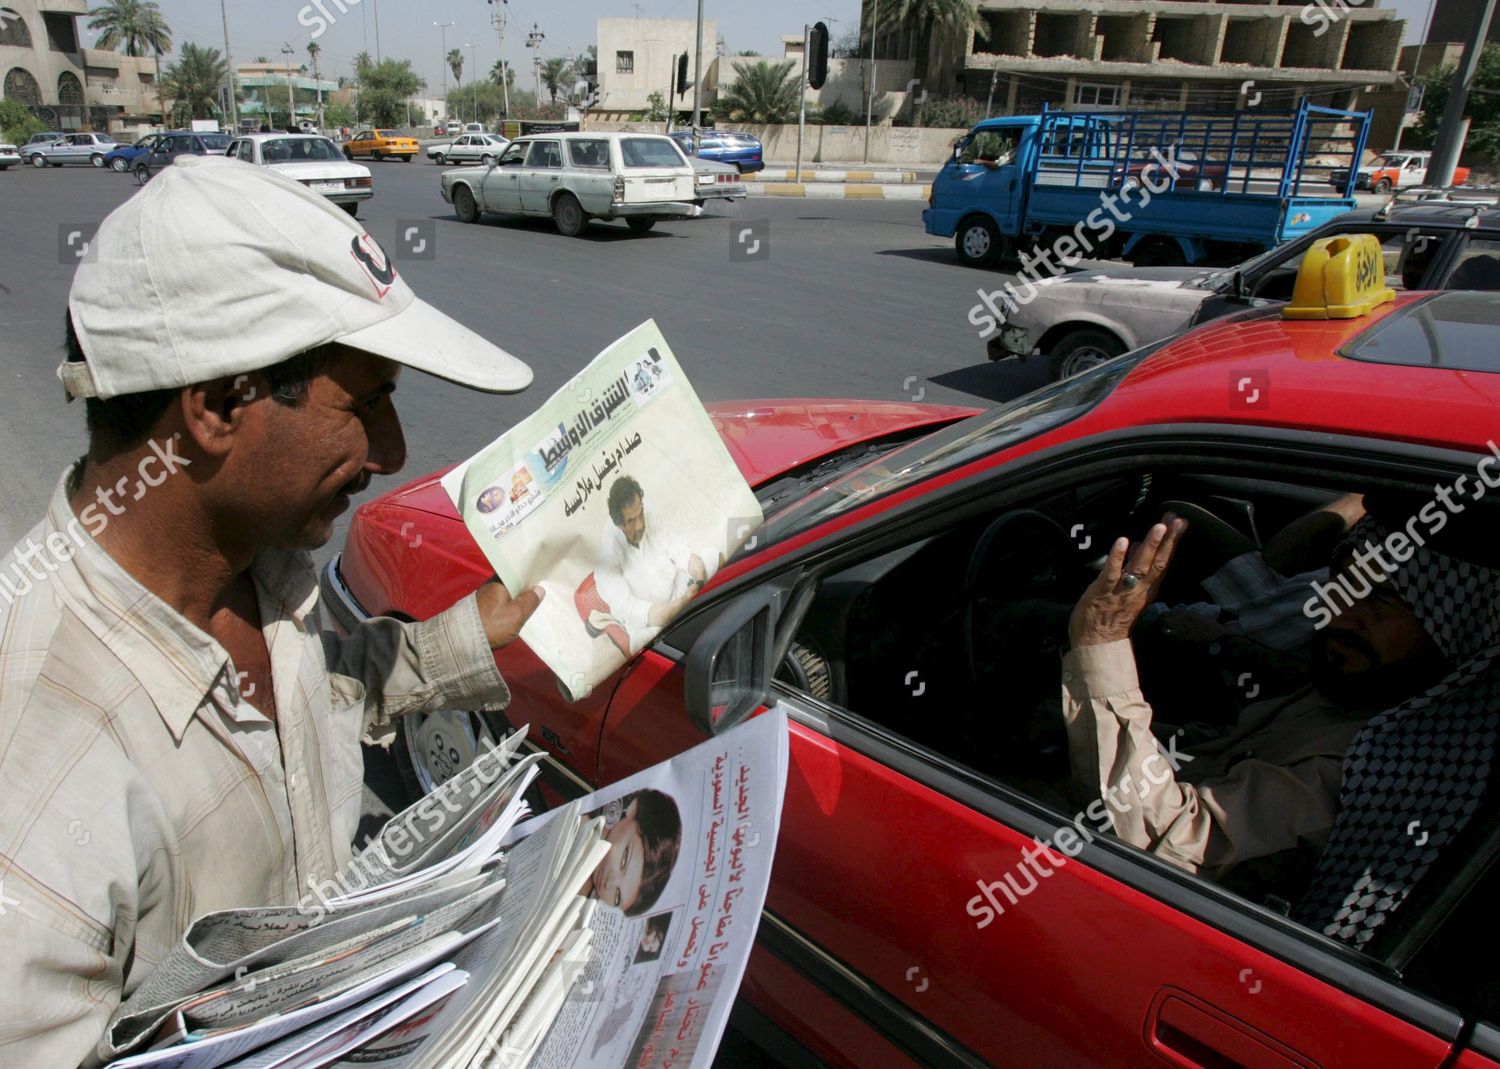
264 27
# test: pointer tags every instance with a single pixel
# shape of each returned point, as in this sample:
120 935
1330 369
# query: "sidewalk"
840 190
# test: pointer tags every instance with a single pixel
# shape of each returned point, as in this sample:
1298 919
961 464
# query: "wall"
889 145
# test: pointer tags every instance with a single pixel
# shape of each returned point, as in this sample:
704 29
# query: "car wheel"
119 165
432 748
375 154
465 205
38 161
439 159
352 209
487 160
97 159
1383 186
569 215
142 175
978 241
640 226
1080 350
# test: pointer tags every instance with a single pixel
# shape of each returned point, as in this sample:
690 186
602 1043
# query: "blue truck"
1155 187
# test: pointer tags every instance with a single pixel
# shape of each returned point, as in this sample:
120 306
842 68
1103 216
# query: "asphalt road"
842 298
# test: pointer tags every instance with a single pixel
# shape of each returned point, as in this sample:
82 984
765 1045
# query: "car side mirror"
729 667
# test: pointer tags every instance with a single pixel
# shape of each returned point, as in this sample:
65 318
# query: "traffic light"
682 74
817 56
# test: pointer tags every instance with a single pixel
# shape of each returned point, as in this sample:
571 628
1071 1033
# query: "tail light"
619 188
359 183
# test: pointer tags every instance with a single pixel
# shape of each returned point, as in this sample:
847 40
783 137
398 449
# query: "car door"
75 149
463 149
501 183
540 176
362 142
962 919
1413 172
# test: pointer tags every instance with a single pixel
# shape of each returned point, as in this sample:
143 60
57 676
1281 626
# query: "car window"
589 152
651 152
514 155
388 134
1478 266
990 146
80 139
544 154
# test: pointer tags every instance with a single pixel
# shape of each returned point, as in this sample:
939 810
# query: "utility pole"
1451 132
534 42
698 81
377 31
802 99
497 19
234 108
291 92
474 57
443 26
870 99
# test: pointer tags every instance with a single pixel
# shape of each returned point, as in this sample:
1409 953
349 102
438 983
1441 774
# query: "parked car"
453 127
9 156
574 177
312 160
122 157
71 148
172 145
381 144
741 151
1400 170
1083 318
468 148
906 925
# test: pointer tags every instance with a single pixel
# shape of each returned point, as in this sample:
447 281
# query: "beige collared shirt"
138 790
1269 785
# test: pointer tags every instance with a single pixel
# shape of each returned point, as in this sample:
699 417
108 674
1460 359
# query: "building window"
13 29
624 62
69 90
1093 95
20 85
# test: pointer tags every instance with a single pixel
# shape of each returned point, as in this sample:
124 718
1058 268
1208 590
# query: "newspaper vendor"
180 735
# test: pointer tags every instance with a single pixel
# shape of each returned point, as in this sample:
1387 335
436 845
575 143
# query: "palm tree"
555 73
195 79
314 50
139 26
917 20
762 93
456 64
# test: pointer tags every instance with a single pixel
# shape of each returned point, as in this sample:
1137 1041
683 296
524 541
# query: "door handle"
1192 1034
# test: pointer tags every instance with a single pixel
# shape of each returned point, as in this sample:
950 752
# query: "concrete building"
269 88
638 57
70 86
1101 54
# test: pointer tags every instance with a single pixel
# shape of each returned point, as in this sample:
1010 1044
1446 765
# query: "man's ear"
215 411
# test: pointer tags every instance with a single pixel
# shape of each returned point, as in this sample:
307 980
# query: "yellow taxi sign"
1341 277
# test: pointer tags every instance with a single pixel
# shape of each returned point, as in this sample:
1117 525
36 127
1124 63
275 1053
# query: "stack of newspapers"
435 948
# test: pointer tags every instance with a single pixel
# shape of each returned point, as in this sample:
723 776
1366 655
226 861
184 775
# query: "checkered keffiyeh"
1415 774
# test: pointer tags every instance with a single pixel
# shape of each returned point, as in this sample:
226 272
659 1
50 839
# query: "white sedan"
9 157
468 148
314 161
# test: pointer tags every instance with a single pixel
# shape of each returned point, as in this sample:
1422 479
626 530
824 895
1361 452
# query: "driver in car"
1271 782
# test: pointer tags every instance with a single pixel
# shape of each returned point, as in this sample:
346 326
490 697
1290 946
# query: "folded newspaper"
613 931
618 497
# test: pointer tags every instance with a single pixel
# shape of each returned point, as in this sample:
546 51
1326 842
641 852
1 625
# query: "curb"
840 177
838 192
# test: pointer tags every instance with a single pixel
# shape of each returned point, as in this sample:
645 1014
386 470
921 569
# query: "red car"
918 778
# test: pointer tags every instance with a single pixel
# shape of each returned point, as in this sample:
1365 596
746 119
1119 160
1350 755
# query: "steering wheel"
1028 556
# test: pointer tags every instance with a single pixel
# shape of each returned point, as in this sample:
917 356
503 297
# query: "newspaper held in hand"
618 497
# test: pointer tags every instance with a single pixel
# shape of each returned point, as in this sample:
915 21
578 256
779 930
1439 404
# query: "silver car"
72 148
9 157
468 148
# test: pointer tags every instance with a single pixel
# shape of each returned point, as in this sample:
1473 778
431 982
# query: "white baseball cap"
219 267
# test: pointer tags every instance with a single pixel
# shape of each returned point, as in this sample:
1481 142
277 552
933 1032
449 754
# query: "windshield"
300 150
1387 161
1025 417
651 152
1222 281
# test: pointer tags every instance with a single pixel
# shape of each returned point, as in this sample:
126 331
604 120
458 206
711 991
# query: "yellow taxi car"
378 144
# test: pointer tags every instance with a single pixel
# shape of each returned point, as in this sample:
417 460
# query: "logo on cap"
375 263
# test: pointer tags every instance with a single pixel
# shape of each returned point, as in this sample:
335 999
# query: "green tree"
510 75
915 21
556 73
456 64
17 124
138 26
385 89
761 93
193 82
656 108
1483 111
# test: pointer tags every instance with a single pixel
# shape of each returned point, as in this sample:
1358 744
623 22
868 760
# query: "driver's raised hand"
1115 600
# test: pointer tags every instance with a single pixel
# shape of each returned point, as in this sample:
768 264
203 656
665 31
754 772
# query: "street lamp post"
291 94
234 110
870 99
497 19
444 27
474 61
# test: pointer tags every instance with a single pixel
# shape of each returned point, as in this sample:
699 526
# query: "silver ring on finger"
1130 580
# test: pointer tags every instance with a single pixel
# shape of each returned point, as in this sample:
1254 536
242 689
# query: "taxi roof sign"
1341 277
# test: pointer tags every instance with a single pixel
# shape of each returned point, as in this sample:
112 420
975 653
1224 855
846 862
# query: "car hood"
764 437
1159 289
